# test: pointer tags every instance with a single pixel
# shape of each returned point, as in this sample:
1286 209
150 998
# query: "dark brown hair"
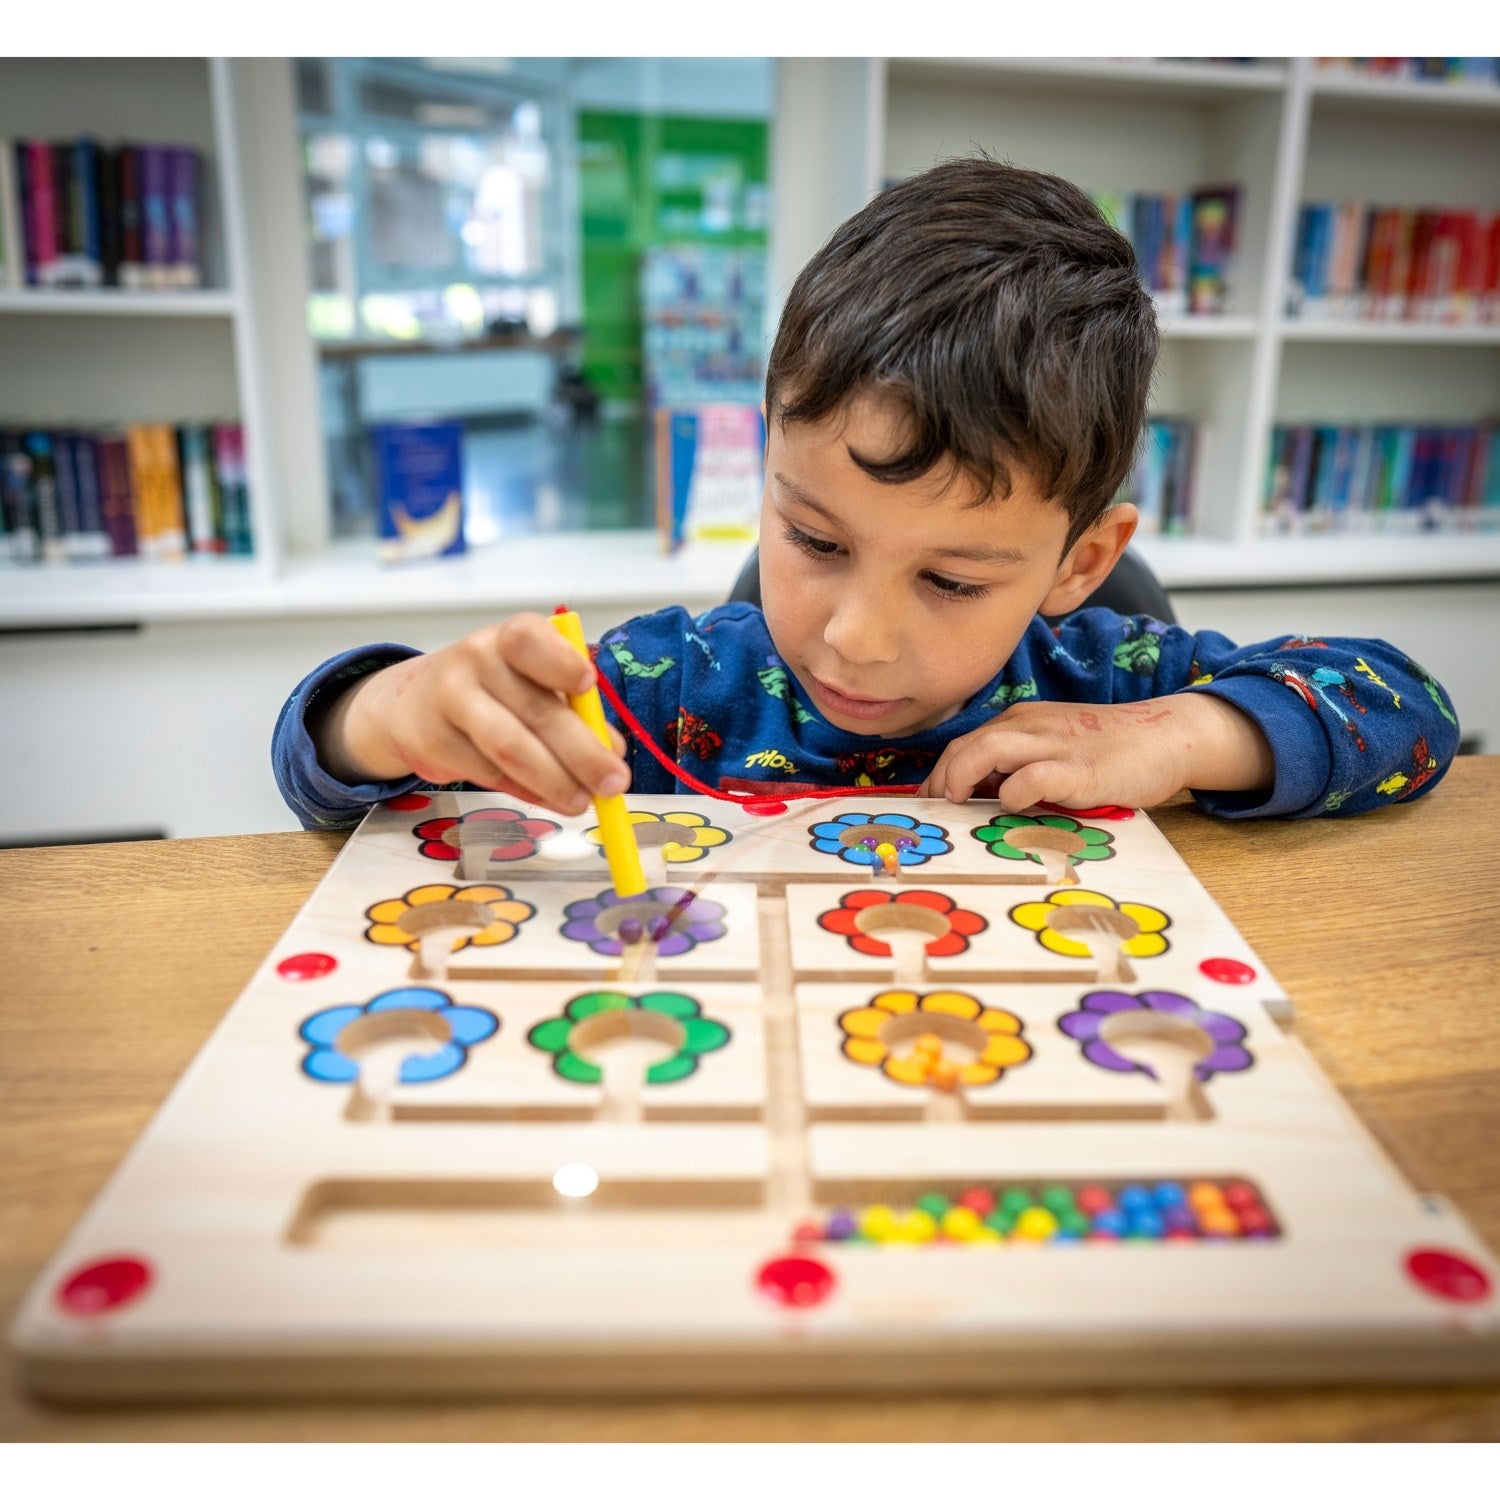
1001 314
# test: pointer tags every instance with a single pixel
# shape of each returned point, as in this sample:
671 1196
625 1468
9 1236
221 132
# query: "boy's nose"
863 629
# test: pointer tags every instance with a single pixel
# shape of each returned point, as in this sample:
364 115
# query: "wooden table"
118 960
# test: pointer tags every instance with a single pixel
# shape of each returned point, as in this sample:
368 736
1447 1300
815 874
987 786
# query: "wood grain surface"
117 962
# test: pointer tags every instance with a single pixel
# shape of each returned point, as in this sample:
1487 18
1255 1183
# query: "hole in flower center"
1169 1047
380 1043
1052 846
624 1044
1103 931
634 921
902 916
962 1040
438 927
654 835
883 833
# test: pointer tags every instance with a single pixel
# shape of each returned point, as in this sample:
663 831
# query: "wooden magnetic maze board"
866 1093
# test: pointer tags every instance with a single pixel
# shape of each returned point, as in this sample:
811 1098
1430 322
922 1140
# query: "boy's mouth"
851 707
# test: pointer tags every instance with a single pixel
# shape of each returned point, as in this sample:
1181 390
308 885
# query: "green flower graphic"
1097 843
700 1034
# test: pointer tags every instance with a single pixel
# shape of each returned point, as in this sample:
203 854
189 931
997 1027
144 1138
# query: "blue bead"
1111 1219
1169 1194
1134 1198
1147 1224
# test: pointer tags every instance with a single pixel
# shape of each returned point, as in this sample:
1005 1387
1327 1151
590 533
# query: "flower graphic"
516 835
682 836
1003 1047
915 842
1146 943
693 920
1097 843
700 1034
1097 1006
844 920
505 912
467 1024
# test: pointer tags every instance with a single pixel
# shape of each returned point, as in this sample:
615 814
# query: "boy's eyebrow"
966 554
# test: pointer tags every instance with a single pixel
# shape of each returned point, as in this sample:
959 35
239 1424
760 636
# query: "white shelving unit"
211 647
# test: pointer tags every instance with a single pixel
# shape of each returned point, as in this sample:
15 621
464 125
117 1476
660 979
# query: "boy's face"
893 604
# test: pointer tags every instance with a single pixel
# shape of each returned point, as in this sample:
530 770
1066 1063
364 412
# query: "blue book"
419 478
70 516
86 201
1322 485
94 538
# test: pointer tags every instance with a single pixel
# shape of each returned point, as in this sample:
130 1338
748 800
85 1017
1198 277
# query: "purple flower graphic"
689 920
1098 1005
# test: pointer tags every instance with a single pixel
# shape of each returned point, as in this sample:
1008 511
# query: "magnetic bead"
1168 1195
1111 1222
1255 1221
1205 1195
1145 1225
1180 1216
1036 1224
878 1221
659 928
1058 1198
1074 1222
929 1043
962 1224
1218 1223
1095 1200
1239 1195
916 1227
1134 1198
933 1203
807 1230
1000 1221
631 929
981 1200
841 1225
1015 1200
944 1076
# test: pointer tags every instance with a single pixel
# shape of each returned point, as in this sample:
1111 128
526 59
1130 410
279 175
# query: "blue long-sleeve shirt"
1352 724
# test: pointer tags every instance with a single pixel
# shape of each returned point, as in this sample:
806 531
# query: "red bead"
103 1286
408 802
1256 1220
1240 1195
1094 1200
981 1200
1180 1234
1447 1275
1227 970
807 1230
795 1281
307 966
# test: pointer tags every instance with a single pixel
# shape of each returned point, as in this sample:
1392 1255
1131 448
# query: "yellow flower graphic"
1146 943
682 836
505 912
1003 1047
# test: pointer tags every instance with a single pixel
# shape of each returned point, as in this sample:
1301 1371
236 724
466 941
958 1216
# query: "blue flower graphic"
467 1024
927 839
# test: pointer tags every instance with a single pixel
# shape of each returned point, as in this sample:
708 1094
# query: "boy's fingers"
534 649
577 747
1040 781
499 735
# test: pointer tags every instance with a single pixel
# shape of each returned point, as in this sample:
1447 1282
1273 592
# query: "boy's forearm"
1222 748
347 734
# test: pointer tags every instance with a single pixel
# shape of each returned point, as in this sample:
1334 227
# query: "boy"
954 397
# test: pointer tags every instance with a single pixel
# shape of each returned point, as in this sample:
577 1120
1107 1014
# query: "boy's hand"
489 709
1090 755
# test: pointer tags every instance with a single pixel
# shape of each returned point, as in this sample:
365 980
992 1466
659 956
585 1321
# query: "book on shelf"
1399 479
1354 260
710 467
1183 243
1162 482
77 214
1470 70
419 481
150 489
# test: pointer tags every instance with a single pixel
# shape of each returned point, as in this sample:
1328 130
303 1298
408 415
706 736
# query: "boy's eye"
951 588
812 544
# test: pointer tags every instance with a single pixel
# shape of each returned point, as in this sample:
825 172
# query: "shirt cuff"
1299 749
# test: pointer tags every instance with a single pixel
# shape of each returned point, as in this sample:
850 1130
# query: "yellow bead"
961 1223
886 851
944 1076
1036 1224
878 1221
928 1043
988 1238
916 1227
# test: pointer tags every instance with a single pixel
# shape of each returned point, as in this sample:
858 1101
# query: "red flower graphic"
507 846
962 924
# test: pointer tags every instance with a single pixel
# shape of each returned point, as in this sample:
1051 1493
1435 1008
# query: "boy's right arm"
489 710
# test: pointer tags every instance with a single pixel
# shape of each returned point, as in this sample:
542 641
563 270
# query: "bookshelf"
1281 129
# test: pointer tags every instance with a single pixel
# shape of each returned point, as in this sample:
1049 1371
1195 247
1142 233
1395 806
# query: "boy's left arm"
1296 727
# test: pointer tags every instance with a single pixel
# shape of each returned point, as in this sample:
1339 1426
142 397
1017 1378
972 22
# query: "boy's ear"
1091 558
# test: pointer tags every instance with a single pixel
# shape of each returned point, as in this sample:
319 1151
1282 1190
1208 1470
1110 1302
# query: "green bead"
934 1204
1015 1201
1000 1221
1059 1199
1074 1221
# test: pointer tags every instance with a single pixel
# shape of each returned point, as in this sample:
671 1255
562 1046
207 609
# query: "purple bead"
660 927
841 1225
631 929
1180 1216
906 843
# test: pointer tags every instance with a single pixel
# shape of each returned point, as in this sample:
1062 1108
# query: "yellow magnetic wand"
615 827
